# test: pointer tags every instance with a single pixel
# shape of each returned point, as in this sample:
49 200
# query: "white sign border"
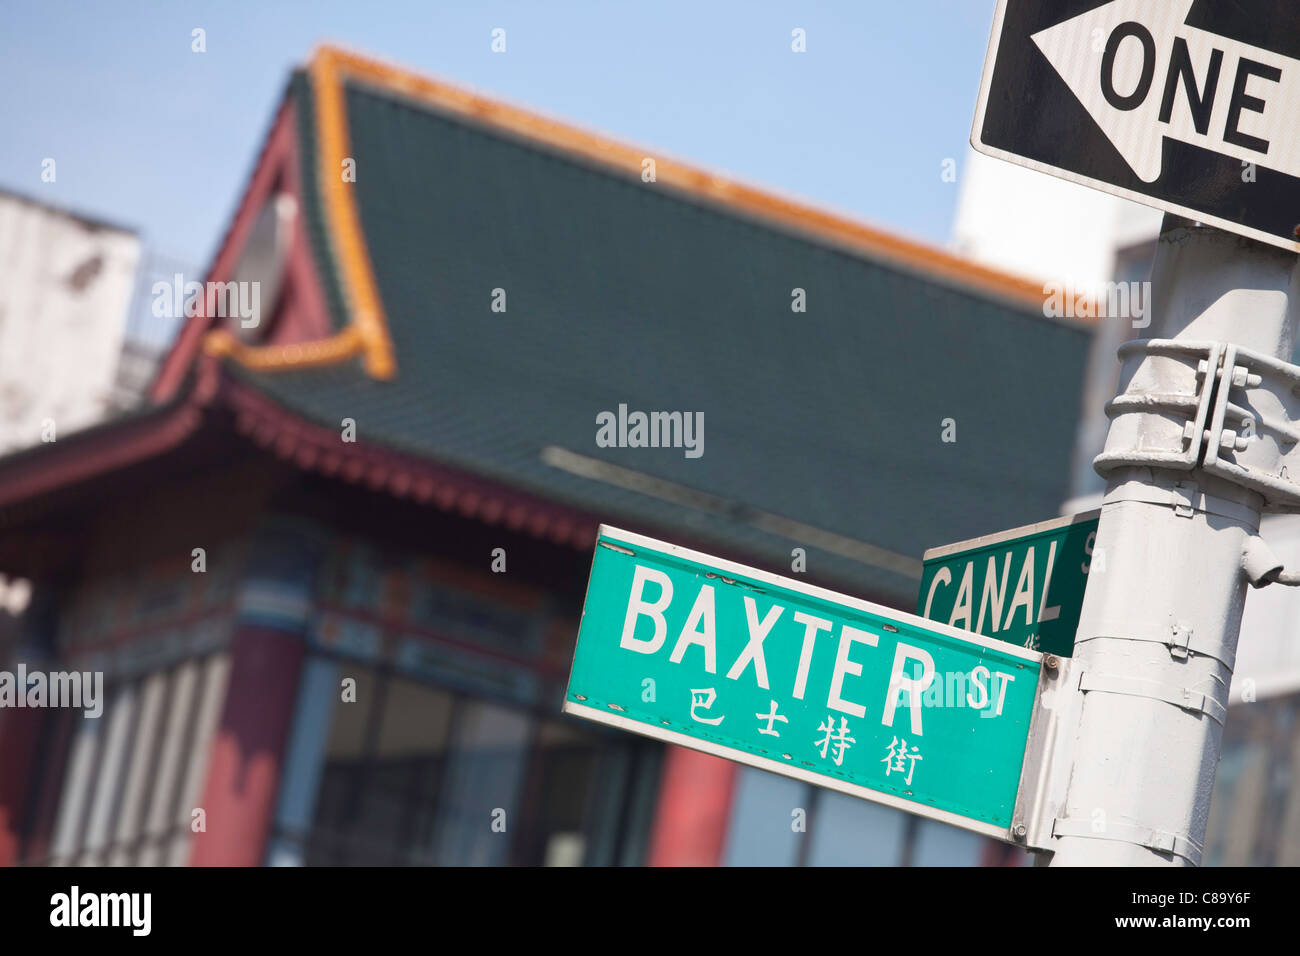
1099 184
822 594
946 551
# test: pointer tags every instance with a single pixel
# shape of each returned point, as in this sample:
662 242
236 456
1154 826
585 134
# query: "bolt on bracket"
1254 435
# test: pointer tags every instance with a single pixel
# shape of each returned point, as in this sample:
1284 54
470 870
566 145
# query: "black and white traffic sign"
1192 106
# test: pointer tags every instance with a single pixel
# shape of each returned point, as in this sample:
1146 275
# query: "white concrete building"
1015 219
66 286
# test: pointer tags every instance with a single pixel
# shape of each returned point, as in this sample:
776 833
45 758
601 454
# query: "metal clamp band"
1177 638
1161 841
1182 697
1186 499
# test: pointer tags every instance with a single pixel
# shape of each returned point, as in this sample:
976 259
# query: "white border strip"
730 568
788 770
1100 184
1029 530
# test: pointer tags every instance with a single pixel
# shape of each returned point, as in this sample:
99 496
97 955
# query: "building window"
769 819
564 777
414 773
385 755
120 789
777 821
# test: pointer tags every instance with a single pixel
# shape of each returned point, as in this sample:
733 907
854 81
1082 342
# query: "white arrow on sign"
1143 74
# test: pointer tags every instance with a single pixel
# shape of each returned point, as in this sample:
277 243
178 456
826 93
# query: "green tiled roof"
620 292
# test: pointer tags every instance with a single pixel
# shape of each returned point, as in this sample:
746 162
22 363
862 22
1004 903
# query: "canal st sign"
1024 586
798 680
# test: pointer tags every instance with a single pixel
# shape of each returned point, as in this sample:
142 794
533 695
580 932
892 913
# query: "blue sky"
153 136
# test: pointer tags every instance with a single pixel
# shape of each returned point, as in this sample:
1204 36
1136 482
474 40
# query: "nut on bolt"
1051 662
1020 831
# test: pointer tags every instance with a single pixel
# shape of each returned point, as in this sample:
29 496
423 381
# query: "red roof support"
694 807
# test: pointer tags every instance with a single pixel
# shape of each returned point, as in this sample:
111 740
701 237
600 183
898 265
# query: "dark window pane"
560 785
484 772
343 774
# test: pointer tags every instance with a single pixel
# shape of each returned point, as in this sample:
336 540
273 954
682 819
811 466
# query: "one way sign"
1192 106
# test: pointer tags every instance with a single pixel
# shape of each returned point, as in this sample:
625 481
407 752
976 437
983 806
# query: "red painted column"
690 827
20 734
243 779
995 853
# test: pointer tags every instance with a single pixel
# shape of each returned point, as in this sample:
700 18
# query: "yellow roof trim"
719 190
273 358
367 332
339 200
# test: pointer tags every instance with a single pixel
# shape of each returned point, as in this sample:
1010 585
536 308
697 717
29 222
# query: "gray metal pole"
1175 551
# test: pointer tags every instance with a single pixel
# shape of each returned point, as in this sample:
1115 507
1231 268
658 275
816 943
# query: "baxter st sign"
839 692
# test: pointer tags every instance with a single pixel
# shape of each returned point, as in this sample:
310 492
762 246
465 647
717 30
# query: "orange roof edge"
333 62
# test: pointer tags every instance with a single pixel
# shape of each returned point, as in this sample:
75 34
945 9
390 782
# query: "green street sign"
1024 586
795 679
